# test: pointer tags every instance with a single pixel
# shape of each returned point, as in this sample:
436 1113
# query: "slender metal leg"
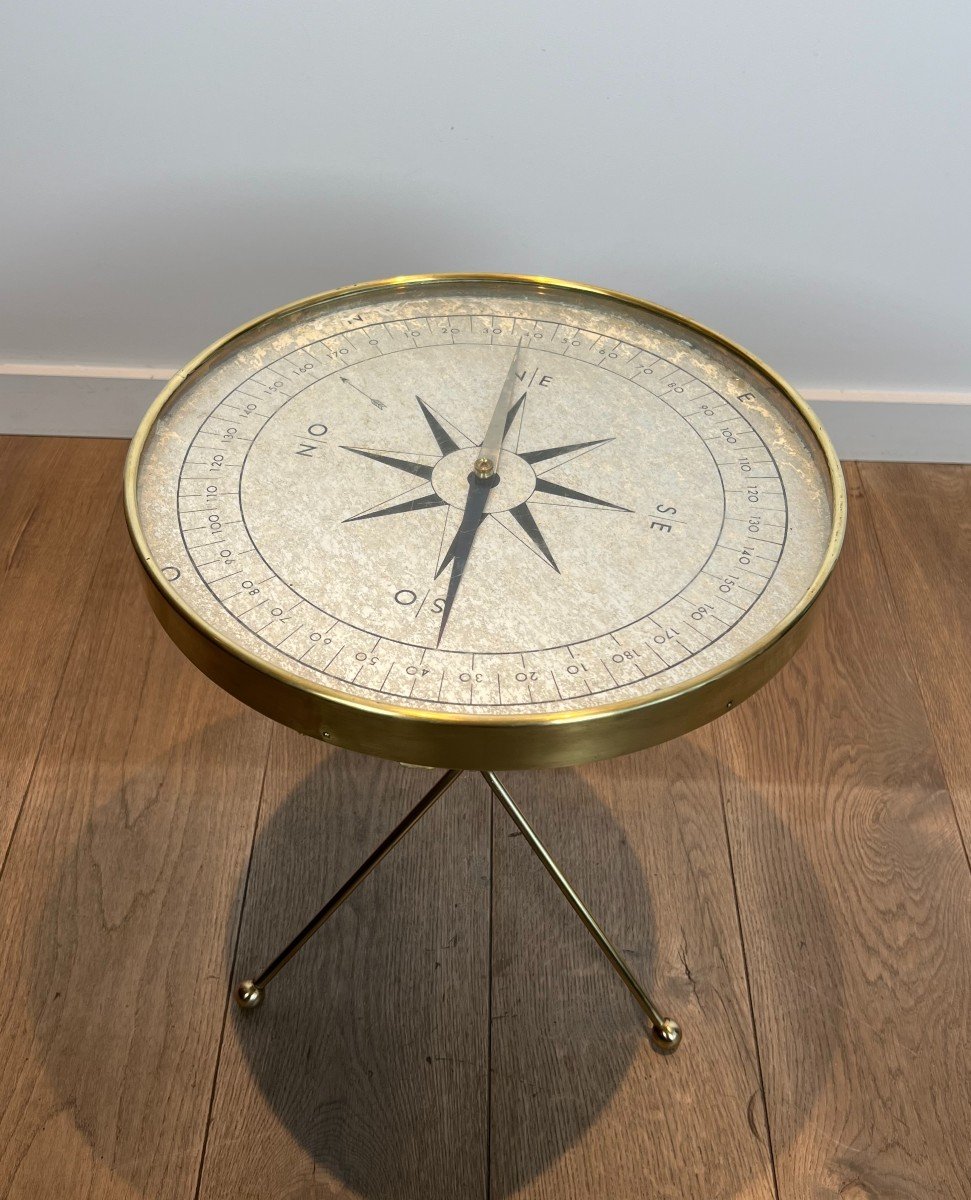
249 994
665 1033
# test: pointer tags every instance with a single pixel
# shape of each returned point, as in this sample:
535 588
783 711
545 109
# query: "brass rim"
423 719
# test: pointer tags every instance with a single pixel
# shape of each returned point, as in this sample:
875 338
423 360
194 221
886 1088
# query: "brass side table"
481 522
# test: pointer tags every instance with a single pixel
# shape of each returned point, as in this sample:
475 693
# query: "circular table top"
483 521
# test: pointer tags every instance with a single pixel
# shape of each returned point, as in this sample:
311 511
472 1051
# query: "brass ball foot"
667 1038
248 995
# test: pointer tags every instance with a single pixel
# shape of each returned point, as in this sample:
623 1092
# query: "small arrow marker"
377 403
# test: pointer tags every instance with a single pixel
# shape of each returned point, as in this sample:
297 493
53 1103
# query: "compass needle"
490 451
481 481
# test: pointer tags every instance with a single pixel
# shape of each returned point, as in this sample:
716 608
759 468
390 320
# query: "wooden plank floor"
792 882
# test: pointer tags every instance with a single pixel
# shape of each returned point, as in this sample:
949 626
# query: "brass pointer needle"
491 449
481 481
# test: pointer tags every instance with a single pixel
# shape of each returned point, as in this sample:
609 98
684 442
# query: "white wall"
796 175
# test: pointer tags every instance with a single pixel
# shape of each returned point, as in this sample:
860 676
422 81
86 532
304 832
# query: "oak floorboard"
363 1073
366 1073
922 518
122 885
855 899
581 1106
56 498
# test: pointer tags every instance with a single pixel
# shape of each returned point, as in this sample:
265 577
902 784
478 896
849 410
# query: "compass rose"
463 479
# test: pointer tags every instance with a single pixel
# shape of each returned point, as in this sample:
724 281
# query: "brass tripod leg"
665 1033
250 993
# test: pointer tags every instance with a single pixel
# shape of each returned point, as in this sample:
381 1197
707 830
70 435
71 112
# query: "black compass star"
423 495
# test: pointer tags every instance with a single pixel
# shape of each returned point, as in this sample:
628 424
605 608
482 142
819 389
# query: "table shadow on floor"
372 1051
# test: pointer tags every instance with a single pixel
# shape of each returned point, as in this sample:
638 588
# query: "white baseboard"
897 427
83 401
76 401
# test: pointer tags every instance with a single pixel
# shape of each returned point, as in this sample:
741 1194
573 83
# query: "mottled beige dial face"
651 507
